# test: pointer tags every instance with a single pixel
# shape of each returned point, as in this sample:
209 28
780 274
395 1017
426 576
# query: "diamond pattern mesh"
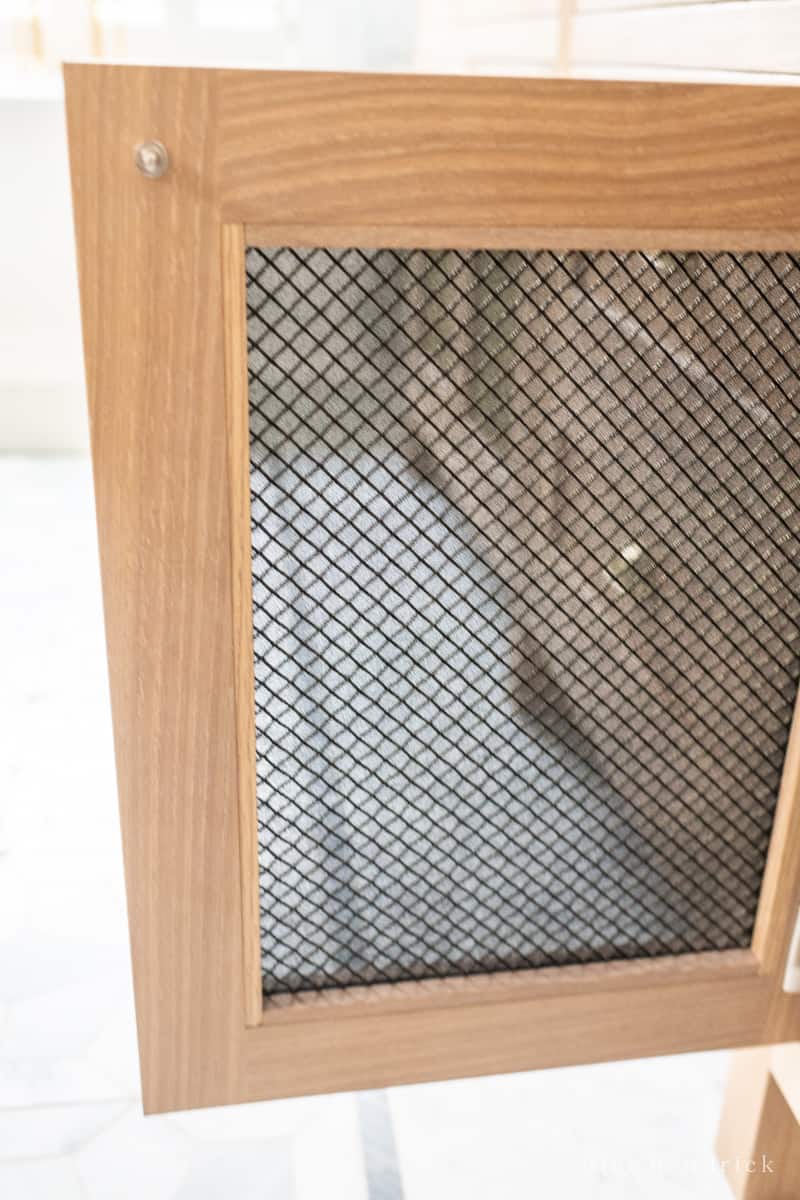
524 534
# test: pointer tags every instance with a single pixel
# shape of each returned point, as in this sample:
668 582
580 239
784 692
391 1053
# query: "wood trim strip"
785 1066
363 150
503 986
407 237
420 1043
780 888
237 408
151 295
758 1143
743 1101
780 896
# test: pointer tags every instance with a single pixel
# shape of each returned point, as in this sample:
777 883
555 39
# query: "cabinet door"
446 445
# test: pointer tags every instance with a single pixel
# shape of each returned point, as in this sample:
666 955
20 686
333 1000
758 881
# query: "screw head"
151 159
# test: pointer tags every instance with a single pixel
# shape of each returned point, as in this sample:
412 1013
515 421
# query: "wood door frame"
287 158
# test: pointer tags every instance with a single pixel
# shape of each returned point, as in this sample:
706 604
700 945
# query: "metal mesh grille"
525 603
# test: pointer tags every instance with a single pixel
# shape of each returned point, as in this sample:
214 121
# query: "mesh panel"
525 603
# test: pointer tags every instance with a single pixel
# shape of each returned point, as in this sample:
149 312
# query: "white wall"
676 39
42 396
41 367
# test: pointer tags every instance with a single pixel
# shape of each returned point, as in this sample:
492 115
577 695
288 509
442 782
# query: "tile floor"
70 1119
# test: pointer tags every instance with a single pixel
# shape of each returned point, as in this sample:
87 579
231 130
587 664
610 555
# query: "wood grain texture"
151 293
516 237
338 1052
780 888
237 405
500 987
780 896
759 1136
776 1160
163 311
327 149
758 1143
743 1101
785 1066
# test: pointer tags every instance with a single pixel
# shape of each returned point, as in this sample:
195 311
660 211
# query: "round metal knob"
151 159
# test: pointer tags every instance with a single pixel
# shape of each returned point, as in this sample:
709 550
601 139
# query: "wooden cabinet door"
446 443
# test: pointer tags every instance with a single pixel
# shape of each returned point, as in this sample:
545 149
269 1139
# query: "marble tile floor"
70 1118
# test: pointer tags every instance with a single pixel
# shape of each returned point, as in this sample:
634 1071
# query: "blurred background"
41 388
70 1117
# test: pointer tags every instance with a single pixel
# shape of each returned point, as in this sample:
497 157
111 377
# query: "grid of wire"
525 578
